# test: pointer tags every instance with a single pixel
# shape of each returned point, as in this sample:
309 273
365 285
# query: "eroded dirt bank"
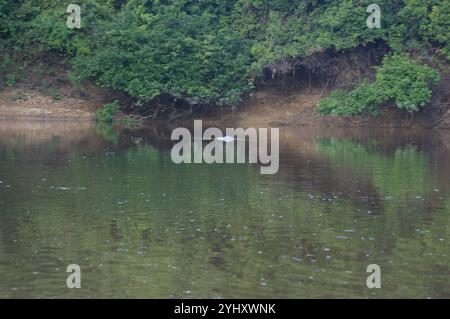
296 105
28 104
273 105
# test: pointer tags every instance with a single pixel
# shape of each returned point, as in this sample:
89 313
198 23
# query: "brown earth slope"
275 104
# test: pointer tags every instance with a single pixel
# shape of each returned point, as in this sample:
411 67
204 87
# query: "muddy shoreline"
28 104
270 106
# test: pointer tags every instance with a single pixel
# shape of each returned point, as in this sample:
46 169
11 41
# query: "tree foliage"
211 51
400 80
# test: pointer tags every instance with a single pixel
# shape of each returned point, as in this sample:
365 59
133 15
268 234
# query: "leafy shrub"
341 103
211 51
399 79
55 94
439 27
406 82
185 55
107 112
11 80
336 104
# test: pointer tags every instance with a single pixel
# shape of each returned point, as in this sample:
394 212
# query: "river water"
138 225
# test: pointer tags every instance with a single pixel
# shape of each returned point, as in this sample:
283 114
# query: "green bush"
406 82
212 51
337 104
438 29
191 55
399 79
107 112
341 103
11 80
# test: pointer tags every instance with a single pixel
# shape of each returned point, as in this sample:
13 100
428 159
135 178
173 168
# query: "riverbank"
276 104
28 104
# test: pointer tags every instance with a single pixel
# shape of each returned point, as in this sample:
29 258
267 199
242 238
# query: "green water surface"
138 225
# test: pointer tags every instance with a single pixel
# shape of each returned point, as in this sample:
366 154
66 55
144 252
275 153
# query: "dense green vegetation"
212 51
400 79
106 113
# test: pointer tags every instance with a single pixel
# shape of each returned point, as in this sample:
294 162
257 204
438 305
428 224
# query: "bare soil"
25 103
296 105
275 104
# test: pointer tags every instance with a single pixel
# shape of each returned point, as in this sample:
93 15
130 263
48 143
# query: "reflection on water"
140 226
